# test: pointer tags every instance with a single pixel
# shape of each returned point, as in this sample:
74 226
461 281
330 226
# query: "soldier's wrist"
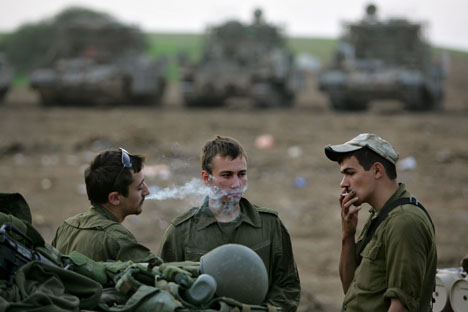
347 236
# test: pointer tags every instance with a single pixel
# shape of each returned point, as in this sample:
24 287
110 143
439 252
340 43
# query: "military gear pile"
74 282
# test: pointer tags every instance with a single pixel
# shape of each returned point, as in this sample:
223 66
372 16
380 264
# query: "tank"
95 60
249 61
383 59
6 75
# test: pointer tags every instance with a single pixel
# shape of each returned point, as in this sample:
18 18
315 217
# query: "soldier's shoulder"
267 211
86 221
74 218
184 216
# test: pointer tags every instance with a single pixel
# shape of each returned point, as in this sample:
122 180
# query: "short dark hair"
107 174
367 157
224 146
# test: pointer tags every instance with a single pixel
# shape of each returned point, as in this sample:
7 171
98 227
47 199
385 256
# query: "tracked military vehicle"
96 60
6 75
383 59
249 61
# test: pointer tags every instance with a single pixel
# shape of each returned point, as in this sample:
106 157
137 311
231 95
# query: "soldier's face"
356 178
137 191
228 179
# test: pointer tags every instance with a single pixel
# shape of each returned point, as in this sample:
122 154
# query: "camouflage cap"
372 141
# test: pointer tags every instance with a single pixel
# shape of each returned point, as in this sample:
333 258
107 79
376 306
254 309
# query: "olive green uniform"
98 235
399 262
197 231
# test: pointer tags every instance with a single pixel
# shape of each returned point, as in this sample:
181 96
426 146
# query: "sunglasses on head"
126 163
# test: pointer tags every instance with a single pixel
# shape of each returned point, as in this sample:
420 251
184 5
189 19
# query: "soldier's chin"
232 200
139 209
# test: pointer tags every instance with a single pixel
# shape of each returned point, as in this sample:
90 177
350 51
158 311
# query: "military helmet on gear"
239 273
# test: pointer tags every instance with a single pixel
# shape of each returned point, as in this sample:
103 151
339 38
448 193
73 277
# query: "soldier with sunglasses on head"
116 189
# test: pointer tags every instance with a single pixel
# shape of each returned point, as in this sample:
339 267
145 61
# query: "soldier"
227 217
392 265
116 188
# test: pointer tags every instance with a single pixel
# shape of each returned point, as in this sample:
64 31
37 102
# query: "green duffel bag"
42 287
32 277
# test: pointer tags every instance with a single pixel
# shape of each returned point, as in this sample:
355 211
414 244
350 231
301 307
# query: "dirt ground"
43 153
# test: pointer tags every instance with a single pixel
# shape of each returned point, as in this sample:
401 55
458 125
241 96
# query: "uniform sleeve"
285 288
61 240
54 240
168 250
408 242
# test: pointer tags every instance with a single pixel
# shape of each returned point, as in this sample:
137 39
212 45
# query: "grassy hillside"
191 44
169 45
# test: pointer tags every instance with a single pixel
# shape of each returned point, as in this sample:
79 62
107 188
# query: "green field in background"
169 45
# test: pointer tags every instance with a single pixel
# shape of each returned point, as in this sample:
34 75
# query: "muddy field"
43 153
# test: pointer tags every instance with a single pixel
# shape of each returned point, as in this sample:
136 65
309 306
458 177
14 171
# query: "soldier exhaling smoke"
194 187
222 199
223 202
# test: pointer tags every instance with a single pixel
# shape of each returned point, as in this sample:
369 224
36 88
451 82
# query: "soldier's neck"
224 211
115 210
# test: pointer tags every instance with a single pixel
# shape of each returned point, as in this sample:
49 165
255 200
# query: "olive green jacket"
399 262
98 235
196 232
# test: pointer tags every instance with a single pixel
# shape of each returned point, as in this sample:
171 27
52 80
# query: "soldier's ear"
206 177
378 169
113 198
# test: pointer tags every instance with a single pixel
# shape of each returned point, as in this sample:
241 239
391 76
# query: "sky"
446 21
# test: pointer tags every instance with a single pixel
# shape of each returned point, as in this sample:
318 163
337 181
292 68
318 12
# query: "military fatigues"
399 262
98 235
196 232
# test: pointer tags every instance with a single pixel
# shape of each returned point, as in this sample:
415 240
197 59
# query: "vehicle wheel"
436 100
3 92
415 100
336 99
265 95
355 105
147 100
48 98
191 103
287 99
204 101
342 104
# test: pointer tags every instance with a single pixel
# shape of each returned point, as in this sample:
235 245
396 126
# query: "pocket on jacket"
371 275
194 254
263 249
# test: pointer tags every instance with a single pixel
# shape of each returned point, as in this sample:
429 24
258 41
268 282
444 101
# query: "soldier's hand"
349 212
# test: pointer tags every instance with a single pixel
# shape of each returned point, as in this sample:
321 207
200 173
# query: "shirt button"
345 307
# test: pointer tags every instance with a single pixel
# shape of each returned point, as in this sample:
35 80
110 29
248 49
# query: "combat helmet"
239 273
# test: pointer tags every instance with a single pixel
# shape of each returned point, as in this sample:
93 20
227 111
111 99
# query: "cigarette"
344 194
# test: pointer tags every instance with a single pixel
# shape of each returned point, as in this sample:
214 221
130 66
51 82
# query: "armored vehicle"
96 60
383 59
241 61
6 75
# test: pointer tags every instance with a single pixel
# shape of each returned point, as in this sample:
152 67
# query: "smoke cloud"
193 188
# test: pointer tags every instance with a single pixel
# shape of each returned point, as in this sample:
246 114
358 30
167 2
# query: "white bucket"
444 282
459 296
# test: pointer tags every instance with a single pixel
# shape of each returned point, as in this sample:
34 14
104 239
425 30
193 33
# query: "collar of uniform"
248 215
398 193
103 211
